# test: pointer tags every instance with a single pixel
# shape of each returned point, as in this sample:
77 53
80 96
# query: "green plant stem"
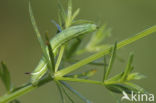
107 82
100 54
16 94
23 90
29 87
79 80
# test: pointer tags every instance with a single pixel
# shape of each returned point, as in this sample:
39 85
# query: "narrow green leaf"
75 14
5 77
60 91
59 58
51 54
69 9
108 70
128 67
62 14
104 69
43 46
105 52
61 85
69 14
75 92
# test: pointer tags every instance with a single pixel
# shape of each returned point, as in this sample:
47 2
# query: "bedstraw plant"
61 54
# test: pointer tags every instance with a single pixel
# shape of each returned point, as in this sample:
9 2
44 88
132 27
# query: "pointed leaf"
75 14
60 91
69 14
59 58
38 73
61 85
128 67
43 46
104 69
111 62
5 77
51 62
62 14
75 92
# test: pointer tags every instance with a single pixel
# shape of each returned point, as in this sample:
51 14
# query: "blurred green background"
19 47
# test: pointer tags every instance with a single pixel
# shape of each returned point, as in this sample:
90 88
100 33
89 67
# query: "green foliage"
121 82
56 42
111 62
5 77
66 46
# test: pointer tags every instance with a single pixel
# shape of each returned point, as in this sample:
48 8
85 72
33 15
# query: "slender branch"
100 54
29 87
79 80
23 90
